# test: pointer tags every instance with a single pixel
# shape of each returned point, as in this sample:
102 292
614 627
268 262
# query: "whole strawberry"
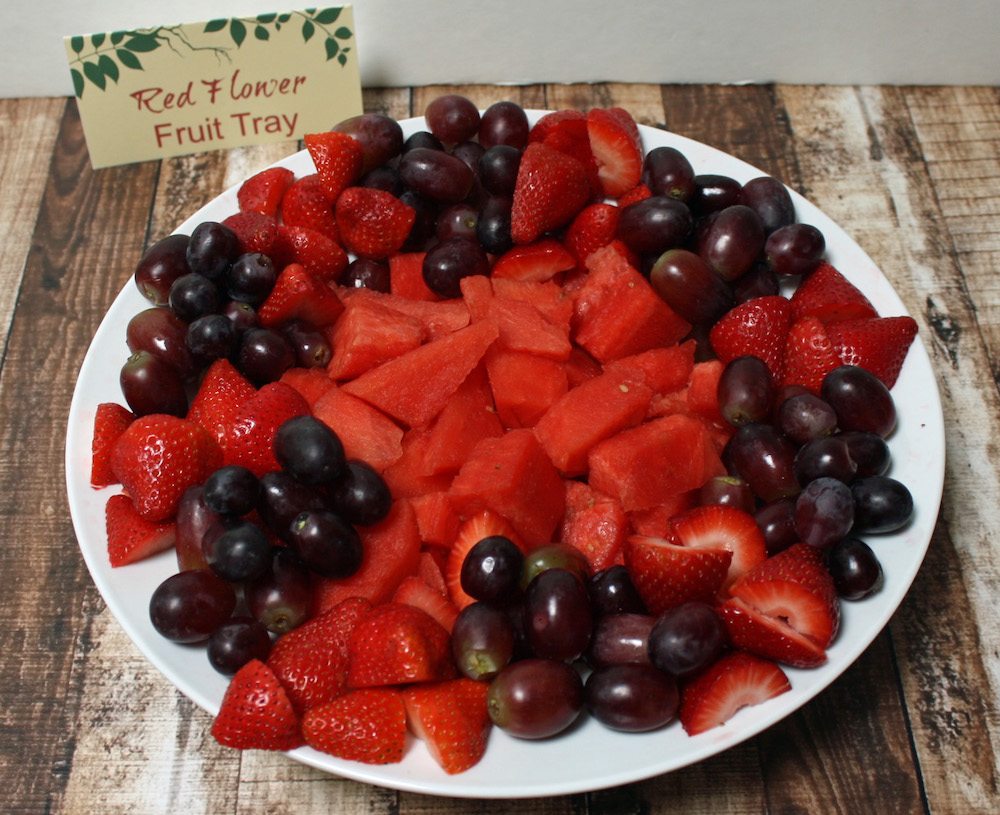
551 189
373 223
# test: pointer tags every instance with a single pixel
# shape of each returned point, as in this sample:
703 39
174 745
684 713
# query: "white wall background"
418 42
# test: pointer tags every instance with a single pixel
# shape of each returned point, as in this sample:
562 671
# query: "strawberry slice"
318 254
723 527
263 191
484 524
769 637
220 397
110 422
398 644
566 131
250 440
667 574
537 262
735 681
809 354
311 661
373 223
551 188
879 344
593 228
615 142
830 297
414 591
338 158
307 204
256 713
299 294
364 725
640 192
260 233
758 327
452 719
130 536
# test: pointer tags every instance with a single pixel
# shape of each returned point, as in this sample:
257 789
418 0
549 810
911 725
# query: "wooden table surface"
913 174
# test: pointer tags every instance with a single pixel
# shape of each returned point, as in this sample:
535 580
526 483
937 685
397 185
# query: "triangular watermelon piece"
366 433
369 334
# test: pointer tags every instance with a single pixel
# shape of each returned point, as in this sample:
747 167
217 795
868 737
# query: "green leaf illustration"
128 59
284 18
342 58
331 48
261 33
237 31
97 40
76 43
266 18
94 74
215 25
308 29
342 33
327 16
108 67
77 82
117 37
142 43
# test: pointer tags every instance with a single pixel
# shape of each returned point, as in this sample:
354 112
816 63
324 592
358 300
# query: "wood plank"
865 167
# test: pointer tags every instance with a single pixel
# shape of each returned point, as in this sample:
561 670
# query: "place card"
171 90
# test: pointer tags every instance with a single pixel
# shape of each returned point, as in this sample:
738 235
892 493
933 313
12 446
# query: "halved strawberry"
338 158
263 191
260 233
615 142
551 188
723 527
640 192
758 327
110 422
220 397
306 203
130 536
667 574
414 591
366 725
769 637
250 441
318 254
830 297
311 660
256 713
566 131
373 223
593 228
452 719
809 354
298 294
735 681
483 524
539 261
879 344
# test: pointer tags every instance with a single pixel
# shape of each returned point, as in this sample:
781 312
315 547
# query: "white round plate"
590 756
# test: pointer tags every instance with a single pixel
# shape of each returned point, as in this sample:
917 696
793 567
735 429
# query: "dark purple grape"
557 615
686 639
188 606
758 281
424 222
309 451
241 552
535 698
457 221
654 225
770 199
482 641
727 491
150 385
631 698
360 495
385 178
763 458
251 278
366 273
282 498
162 333
470 153
212 248
745 391
881 504
311 346
805 417
447 263
688 285
380 137
794 249
860 399
194 518
436 175
210 338
282 598
504 123
713 193
264 355
554 556
327 544
452 118
493 225
855 569
237 641
869 451
193 296
160 266
731 241
620 639
776 522
491 571
826 457
231 490
422 139
824 512
498 169
612 591
666 171
241 315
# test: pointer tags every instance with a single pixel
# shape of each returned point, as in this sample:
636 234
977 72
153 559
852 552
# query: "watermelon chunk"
414 387
439 318
702 395
365 433
595 524
368 334
513 477
549 298
524 386
406 477
523 327
311 383
664 370
406 277
436 518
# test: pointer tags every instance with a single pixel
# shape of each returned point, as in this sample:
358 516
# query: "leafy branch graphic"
100 58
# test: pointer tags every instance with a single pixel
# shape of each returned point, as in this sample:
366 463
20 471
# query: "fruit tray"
589 755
